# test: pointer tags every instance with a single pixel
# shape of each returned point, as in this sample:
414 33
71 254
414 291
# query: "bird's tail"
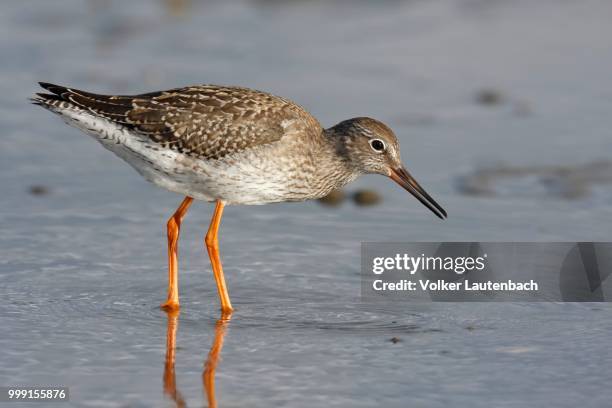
76 108
56 98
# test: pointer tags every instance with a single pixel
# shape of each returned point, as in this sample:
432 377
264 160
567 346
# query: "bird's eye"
378 145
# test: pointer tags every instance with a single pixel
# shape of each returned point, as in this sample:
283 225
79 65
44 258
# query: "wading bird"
230 145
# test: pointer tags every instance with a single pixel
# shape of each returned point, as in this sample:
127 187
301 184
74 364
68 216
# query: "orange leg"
174 227
210 366
169 371
212 245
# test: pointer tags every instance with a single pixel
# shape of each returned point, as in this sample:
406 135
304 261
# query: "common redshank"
230 145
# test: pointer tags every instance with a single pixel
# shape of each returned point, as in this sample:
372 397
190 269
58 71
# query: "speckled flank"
233 144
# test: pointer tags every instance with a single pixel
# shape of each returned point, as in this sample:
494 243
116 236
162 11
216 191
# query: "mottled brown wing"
207 121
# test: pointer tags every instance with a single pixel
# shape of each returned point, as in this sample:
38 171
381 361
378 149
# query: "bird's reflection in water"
210 365
169 372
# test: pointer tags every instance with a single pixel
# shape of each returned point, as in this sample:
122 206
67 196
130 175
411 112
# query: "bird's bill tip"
403 178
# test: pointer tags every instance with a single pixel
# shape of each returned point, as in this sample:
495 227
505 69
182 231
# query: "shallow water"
82 267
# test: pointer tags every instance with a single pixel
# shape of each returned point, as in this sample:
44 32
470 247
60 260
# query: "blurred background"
502 109
501 106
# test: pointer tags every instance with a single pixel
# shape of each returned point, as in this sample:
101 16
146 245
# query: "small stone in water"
489 97
38 190
366 198
333 199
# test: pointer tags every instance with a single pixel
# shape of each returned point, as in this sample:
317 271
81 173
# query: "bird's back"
208 121
211 142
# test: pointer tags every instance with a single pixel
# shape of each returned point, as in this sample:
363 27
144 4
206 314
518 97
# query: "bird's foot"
226 311
170 305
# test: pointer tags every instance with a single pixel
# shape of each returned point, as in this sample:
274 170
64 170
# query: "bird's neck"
334 168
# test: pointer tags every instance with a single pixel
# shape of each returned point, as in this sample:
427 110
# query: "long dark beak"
404 179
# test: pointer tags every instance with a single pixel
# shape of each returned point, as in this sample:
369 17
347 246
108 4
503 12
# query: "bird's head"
371 147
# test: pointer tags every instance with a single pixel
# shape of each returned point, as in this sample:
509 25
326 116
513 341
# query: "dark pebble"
489 97
366 197
333 199
38 190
